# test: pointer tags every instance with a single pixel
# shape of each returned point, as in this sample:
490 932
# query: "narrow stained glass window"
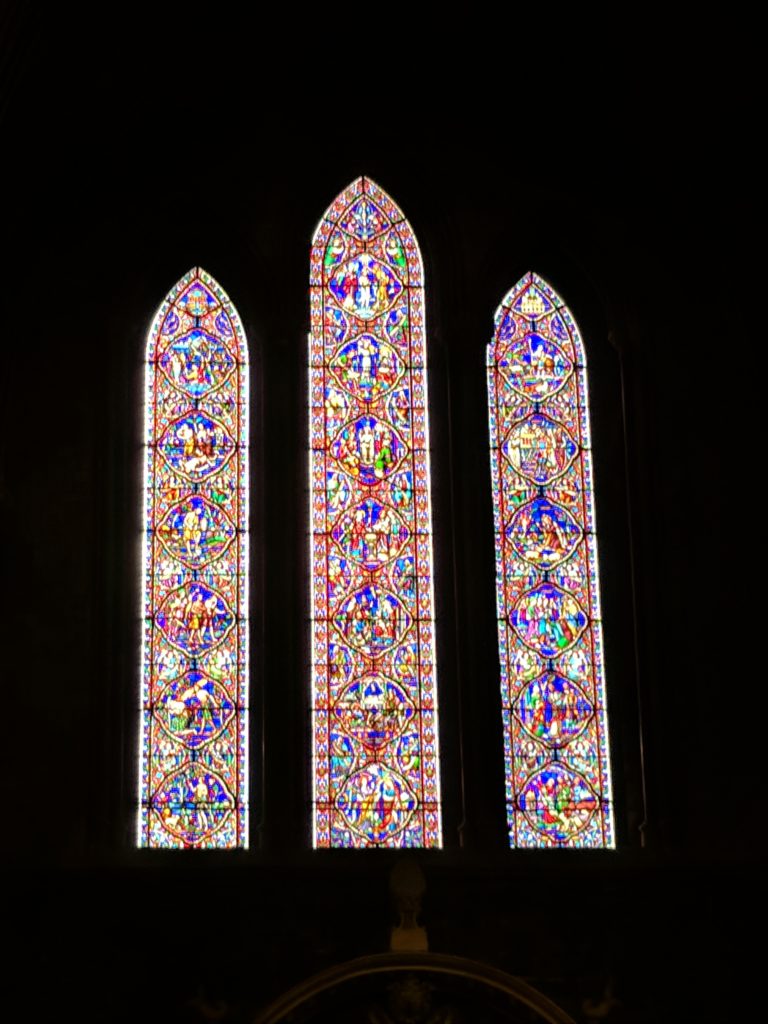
552 678
193 772
375 753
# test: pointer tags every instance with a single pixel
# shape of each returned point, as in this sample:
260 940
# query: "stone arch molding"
412 988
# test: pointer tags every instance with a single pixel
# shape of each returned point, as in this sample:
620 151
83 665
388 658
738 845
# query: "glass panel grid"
194 673
550 640
375 745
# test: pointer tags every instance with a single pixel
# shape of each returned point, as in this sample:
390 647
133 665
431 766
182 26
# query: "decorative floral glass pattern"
193 772
550 640
375 751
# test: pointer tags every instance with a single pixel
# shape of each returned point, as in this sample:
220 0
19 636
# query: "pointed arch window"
374 699
550 636
193 744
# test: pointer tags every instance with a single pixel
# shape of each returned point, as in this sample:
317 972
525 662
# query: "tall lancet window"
552 679
374 699
193 775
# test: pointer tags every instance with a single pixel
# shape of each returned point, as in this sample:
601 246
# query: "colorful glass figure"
550 640
375 758
193 772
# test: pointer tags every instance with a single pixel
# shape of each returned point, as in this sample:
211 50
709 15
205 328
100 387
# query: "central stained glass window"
374 699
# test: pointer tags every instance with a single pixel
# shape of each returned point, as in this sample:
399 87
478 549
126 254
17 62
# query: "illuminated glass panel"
375 752
550 640
193 772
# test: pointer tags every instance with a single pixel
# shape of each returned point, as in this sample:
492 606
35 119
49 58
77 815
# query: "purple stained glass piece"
543 533
196 532
373 711
197 362
371 620
365 287
367 367
371 533
552 709
535 367
196 446
376 802
194 709
369 449
193 803
558 802
539 449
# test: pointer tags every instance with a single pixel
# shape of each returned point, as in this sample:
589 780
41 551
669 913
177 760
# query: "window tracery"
550 633
193 743
374 700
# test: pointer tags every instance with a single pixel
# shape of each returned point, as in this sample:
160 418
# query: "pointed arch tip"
549 293
362 184
196 270
529 277
197 273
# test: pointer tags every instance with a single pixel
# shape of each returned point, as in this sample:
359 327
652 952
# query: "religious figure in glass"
557 765
193 750
374 697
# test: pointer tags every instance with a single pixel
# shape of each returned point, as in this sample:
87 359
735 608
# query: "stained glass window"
193 773
550 640
375 750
